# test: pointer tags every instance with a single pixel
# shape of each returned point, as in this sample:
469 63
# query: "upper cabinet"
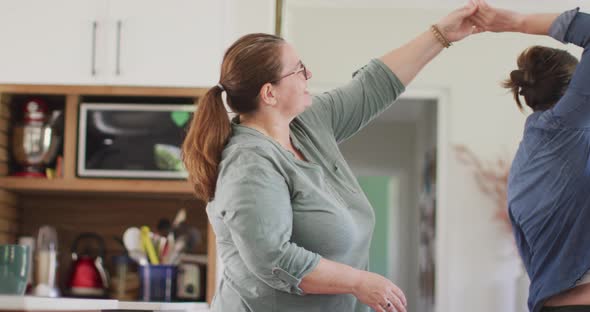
55 42
173 43
176 43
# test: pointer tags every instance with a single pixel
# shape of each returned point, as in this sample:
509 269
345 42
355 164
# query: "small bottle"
46 263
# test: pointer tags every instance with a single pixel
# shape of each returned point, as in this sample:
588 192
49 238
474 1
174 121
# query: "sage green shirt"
275 216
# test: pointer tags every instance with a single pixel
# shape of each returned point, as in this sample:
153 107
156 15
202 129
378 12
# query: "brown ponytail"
201 150
542 77
248 64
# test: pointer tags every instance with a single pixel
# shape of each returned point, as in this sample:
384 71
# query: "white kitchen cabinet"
249 16
118 42
178 42
51 42
171 43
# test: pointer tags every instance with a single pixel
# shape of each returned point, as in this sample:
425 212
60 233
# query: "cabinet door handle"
119 26
93 52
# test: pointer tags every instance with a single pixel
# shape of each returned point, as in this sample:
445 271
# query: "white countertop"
164 306
25 303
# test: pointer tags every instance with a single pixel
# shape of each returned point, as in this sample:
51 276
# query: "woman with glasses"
549 183
293 227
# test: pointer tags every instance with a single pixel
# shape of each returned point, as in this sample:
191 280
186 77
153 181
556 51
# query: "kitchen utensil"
179 218
138 256
168 248
164 226
162 241
132 242
178 248
132 239
148 246
88 277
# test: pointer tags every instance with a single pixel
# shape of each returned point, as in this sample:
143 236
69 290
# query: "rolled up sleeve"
572 109
256 208
349 108
559 28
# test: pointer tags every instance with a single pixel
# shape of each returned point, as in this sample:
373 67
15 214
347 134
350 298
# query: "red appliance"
88 277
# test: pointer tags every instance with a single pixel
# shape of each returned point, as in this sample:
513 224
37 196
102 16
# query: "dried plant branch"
491 179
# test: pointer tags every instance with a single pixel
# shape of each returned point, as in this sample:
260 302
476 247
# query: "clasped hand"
477 16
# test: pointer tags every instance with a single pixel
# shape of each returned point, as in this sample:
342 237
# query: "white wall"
335 41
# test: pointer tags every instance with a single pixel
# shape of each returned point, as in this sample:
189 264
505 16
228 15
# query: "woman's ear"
268 94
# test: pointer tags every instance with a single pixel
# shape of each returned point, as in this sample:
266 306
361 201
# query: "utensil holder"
157 282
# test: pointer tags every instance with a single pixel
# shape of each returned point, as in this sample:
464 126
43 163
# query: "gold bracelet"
440 37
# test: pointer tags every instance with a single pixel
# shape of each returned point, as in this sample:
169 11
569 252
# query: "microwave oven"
132 140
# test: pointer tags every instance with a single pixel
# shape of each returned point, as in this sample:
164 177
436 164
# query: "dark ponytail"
248 64
542 77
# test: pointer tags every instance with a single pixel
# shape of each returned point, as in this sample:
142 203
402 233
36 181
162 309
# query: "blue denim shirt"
549 183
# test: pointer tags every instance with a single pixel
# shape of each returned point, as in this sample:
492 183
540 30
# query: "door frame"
443 224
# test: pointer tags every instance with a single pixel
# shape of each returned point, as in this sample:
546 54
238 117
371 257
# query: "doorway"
394 158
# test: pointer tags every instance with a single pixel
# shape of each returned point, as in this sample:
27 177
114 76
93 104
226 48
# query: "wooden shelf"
102 90
70 199
118 186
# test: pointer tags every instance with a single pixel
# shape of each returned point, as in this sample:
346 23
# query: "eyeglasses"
302 68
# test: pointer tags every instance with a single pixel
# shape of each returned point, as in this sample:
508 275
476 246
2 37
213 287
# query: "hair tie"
220 86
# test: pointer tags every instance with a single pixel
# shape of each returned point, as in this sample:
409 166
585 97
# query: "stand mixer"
36 140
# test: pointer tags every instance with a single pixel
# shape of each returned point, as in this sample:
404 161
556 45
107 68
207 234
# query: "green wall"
377 190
